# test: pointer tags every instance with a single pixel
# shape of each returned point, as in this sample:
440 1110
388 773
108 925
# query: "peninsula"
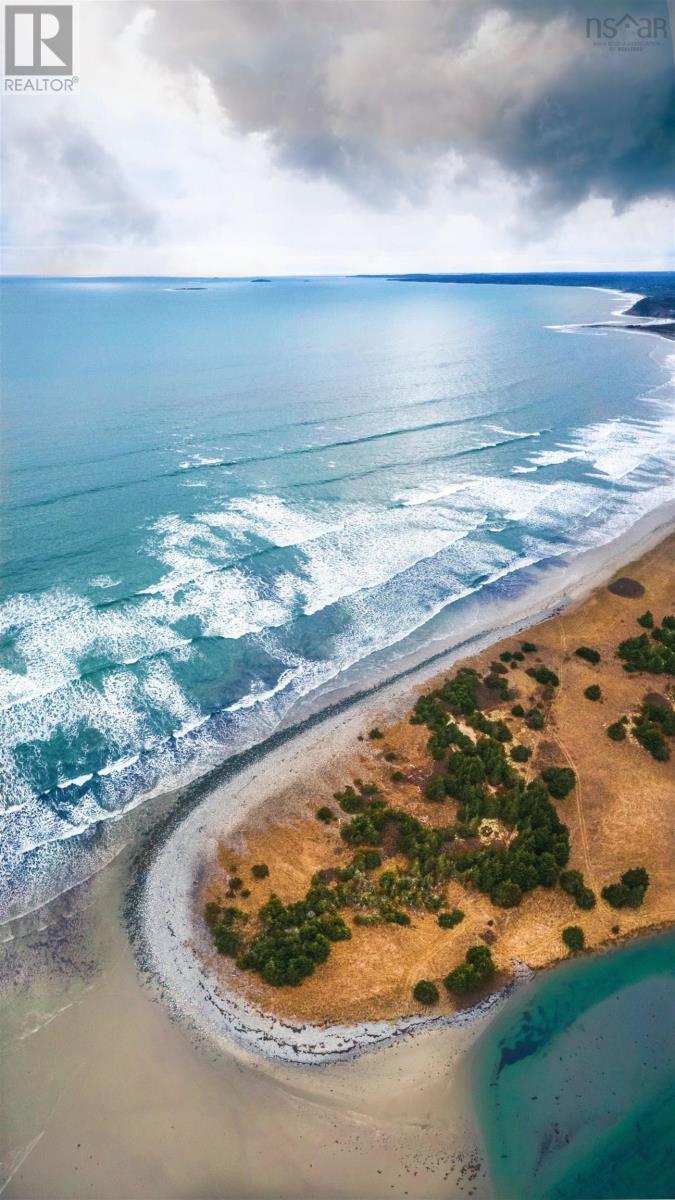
518 813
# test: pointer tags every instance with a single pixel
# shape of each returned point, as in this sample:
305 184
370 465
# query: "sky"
239 137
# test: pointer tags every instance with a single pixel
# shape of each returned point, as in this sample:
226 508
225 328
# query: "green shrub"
397 917
397 776
573 937
390 756
506 656
364 829
572 882
630 891
559 781
260 871
518 710
593 692
653 653
350 801
375 734
518 656
528 648
369 860
646 620
616 731
212 913
591 656
426 992
226 941
435 790
535 719
543 675
507 894
325 814
448 920
521 753
476 969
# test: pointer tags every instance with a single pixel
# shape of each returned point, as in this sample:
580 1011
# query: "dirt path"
578 791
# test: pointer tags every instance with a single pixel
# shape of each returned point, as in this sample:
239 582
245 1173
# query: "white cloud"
143 173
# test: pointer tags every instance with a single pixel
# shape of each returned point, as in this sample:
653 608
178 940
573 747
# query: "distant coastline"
658 300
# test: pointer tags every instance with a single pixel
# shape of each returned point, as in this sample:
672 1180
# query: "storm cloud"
375 93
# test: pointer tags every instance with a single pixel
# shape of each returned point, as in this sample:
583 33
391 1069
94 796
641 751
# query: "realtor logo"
39 39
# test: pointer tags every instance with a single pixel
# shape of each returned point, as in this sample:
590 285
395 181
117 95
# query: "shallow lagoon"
575 1081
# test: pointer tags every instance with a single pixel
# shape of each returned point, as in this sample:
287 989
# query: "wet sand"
111 1098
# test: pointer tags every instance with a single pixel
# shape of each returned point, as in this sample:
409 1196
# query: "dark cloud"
374 93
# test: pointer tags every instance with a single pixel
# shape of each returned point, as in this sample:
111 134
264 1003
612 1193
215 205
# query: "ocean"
224 501
575 1081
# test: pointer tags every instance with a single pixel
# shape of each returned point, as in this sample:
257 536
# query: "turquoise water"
575 1082
217 502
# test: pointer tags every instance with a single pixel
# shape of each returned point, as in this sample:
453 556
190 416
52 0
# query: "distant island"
516 814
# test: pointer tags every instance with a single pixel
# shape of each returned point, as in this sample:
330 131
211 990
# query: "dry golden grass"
621 814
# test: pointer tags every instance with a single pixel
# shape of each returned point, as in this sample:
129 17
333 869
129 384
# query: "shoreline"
169 944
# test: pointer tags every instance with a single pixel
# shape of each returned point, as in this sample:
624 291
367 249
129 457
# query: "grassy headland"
521 811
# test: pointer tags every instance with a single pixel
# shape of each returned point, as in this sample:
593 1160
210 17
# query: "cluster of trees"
473 973
654 723
225 923
496 681
630 891
294 938
534 858
512 656
498 730
653 652
485 784
572 882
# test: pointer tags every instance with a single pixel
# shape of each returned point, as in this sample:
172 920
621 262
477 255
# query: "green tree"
475 971
520 753
559 781
448 920
630 891
591 656
573 937
426 992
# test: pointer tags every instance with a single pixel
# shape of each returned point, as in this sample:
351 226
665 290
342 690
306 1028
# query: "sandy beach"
139 1083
